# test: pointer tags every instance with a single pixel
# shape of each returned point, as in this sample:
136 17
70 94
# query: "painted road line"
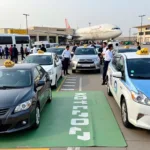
67 89
80 84
61 84
69 85
70 79
71 82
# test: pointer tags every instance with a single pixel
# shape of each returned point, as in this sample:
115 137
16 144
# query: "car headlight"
140 98
51 72
23 106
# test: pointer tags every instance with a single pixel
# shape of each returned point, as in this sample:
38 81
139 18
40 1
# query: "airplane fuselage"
100 32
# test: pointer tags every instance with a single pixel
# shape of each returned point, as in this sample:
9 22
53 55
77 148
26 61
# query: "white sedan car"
50 62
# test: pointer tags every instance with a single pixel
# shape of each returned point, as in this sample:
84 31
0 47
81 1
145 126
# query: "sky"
123 13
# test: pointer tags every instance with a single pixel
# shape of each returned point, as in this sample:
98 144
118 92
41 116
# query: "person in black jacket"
138 46
15 54
43 48
22 52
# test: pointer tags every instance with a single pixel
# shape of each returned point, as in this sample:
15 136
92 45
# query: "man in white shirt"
66 55
27 50
108 57
34 49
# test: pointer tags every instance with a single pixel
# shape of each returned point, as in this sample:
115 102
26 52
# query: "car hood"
142 86
47 67
12 97
77 57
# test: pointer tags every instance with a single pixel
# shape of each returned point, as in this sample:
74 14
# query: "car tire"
55 86
108 89
73 71
124 115
50 96
37 117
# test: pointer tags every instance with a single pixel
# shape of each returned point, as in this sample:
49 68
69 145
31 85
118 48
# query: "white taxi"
129 82
50 62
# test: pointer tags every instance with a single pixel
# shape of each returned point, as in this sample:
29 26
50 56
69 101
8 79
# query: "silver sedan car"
85 58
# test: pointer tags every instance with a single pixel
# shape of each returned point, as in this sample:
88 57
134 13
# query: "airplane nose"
119 32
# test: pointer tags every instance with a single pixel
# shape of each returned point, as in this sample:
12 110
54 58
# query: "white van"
17 39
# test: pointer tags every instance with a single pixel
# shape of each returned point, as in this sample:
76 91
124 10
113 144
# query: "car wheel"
124 115
37 117
73 71
108 89
55 82
50 96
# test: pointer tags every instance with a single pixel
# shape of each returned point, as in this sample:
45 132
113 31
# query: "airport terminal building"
143 36
53 35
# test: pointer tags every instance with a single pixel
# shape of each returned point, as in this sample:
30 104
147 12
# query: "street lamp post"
26 15
129 34
141 16
89 24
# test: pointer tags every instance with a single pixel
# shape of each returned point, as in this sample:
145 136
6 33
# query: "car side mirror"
40 83
117 74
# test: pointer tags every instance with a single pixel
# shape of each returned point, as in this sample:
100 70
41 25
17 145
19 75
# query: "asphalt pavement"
136 139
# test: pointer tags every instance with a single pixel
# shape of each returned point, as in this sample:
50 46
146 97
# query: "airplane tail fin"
67 24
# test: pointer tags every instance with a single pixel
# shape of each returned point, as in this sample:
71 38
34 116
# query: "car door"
113 80
44 77
38 89
120 67
57 66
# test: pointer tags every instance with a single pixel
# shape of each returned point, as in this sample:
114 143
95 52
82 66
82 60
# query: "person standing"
1 52
6 52
22 52
43 48
15 54
34 49
108 57
138 46
10 52
66 55
27 50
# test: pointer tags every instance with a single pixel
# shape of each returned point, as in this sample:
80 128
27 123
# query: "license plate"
85 65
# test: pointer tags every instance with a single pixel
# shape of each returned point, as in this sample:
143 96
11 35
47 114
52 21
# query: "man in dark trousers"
107 59
6 52
22 52
10 52
138 46
66 55
43 48
15 54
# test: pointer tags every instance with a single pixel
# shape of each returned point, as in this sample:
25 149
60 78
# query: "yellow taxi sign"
143 51
57 46
9 63
126 47
40 52
85 45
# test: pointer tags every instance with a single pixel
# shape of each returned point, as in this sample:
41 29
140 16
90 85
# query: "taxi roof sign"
126 47
40 52
143 51
9 63
85 45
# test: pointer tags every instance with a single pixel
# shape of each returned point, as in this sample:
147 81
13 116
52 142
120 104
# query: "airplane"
98 32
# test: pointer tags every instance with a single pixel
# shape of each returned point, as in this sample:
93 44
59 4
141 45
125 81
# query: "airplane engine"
69 37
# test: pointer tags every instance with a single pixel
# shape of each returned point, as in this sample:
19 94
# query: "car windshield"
39 59
139 68
15 78
57 51
126 50
85 51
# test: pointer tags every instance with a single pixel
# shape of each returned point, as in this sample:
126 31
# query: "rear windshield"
39 59
15 78
57 51
85 51
126 50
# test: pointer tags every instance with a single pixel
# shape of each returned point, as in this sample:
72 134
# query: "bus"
11 39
